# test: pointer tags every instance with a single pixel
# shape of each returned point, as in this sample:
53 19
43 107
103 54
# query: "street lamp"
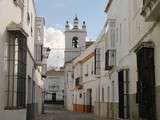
46 52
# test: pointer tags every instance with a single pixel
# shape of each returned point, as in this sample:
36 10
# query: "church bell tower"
75 39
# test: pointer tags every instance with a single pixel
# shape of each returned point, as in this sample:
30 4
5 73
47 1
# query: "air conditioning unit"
110 59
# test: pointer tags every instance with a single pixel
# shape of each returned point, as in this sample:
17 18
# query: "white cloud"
55 39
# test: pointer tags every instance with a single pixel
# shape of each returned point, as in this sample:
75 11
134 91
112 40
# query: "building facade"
132 37
21 74
75 44
84 81
144 44
54 86
125 83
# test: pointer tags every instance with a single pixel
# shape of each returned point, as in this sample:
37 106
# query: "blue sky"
56 12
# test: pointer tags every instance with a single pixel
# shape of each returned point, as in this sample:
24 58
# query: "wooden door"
146 83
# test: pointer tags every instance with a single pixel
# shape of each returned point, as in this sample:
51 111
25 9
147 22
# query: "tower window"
75 42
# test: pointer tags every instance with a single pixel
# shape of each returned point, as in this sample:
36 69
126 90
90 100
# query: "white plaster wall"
78 33
13 115
57 81
88 68
71 52
5 19
13 14
69 99
88 82
69 86
27 27
144 31
38 99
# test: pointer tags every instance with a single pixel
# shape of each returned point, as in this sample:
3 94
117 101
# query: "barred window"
77 81
16 72
97 66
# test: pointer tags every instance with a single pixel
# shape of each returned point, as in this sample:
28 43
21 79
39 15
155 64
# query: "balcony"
78 84
110 59
151 10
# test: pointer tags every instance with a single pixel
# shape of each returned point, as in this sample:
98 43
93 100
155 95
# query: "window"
80 95
77 81
120 34
110 59
86 74
97 61
102 94
16 72
108 94
92 68
113 37
38 53
75 42
117 38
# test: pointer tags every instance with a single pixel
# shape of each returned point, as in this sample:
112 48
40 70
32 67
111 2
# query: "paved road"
57 112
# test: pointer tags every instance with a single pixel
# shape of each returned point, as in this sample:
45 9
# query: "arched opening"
75 42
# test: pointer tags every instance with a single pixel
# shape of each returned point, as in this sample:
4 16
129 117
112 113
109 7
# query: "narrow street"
57 112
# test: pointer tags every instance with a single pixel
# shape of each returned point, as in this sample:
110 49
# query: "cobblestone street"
57 112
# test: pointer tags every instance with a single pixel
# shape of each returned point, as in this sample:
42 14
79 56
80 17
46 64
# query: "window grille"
77 81
102 94
16 72
97 61
110 59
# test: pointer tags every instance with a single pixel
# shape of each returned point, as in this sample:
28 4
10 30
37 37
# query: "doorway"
146 83
89 94
53 97
123 84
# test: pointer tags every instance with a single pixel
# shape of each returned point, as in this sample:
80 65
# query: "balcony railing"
150 10
78 83
110 59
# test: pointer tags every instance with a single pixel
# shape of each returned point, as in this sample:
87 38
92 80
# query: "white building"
144 45
21 83
54 86
132 45
126 65
75 44
84 81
